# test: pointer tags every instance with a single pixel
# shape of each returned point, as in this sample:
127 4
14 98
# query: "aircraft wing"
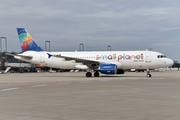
20 55
84 61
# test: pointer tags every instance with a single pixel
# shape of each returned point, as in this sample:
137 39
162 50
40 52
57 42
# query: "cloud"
125 25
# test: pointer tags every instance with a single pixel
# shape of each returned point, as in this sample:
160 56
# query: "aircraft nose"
170 62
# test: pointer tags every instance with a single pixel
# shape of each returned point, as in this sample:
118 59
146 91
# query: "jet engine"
110 69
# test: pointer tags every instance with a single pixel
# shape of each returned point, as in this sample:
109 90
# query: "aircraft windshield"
161 56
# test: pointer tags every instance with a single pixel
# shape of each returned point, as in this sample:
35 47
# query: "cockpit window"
161 56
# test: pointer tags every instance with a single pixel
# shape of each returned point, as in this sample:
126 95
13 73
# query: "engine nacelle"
110 69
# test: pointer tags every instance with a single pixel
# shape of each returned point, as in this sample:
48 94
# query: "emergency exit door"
148 56
42 58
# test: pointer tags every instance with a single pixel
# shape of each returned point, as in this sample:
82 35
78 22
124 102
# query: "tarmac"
72 96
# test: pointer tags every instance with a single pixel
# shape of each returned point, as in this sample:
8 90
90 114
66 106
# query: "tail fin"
26 41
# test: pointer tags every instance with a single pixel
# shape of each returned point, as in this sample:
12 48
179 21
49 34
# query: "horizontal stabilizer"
20 55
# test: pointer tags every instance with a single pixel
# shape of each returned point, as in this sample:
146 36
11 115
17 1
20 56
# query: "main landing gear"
148 73
89 74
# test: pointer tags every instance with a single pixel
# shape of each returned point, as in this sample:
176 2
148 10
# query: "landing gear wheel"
148 75
88 74
96 74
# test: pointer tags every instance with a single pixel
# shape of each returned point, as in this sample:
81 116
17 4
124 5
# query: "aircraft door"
148 56
42 58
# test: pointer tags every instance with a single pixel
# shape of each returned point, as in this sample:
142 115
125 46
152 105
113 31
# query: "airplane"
104 62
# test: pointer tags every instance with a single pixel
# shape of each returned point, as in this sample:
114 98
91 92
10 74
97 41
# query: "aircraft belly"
134 65
61 64
66 65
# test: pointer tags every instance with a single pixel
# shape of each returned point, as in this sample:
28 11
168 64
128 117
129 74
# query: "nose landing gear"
148 73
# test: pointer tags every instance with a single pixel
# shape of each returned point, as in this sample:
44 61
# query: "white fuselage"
123 59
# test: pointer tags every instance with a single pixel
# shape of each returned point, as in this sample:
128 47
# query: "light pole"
47 41
1 50
4 38
108 48
46 45
81 47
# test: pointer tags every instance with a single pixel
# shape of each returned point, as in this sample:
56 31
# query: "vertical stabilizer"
26 41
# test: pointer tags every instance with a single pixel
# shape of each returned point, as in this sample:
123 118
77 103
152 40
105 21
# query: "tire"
88 74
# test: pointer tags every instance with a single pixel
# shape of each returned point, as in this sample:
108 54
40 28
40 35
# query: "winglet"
26 41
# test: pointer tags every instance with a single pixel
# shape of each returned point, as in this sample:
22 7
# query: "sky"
122 24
